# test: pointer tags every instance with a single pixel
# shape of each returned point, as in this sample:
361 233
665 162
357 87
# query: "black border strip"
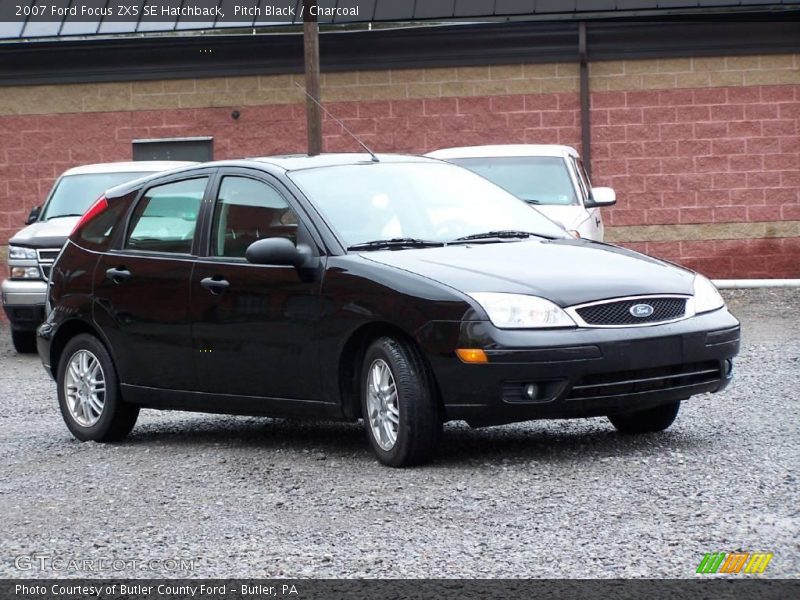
724 588
175 57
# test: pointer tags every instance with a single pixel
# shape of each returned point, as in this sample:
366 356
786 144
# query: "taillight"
95 209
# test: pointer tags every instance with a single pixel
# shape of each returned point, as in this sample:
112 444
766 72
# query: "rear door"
142 288
255 325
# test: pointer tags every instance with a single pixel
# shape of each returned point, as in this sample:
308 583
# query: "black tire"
420 420
24 341
117 417
648 420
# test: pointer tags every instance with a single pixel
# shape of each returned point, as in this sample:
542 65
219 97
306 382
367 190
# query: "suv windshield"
73 194
535 179
431 202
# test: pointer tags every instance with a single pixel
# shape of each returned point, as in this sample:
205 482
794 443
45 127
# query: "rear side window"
248 210
165 220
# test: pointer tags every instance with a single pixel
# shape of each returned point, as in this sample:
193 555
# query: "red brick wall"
705 156
692 157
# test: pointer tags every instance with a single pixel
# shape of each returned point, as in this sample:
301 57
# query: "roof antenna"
342 125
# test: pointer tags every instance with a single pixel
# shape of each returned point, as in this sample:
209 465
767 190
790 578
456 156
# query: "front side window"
248 210
583 178
166 217
535 179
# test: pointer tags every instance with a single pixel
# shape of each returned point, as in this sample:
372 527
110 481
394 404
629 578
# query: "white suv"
33 249
549 177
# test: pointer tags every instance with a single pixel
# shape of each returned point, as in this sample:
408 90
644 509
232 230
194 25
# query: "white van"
549 177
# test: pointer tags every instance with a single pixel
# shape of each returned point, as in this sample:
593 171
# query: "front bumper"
23 302
580 372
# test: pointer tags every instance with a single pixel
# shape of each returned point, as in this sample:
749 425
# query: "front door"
142 289
254 325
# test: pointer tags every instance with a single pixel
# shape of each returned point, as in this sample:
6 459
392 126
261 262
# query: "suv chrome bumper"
23 302
18 292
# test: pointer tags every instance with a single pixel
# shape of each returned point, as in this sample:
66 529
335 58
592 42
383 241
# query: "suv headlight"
706 296
519 311
21 253
25 273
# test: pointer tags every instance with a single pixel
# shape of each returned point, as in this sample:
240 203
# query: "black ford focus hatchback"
400 290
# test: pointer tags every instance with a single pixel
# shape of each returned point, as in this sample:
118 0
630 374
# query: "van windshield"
535 179
75 193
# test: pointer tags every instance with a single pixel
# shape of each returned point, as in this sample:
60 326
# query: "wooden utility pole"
586 125
311 52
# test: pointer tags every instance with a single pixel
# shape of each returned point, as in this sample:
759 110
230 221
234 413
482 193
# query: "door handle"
215 285
118 274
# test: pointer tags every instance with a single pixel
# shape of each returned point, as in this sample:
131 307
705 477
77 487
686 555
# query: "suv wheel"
88 393
400 411
24 341
649 420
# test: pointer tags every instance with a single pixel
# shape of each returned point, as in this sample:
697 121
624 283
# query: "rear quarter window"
98 233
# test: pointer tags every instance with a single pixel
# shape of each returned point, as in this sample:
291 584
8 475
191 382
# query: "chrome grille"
47 257
620 312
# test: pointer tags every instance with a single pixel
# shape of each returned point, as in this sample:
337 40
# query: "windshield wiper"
503 233
396 243
532 201
65 215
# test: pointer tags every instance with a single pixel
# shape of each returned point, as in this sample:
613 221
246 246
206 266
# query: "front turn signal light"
472 355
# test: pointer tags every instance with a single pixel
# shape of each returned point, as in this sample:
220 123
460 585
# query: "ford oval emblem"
641 311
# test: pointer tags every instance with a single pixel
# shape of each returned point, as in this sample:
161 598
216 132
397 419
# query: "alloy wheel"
382 404
85 388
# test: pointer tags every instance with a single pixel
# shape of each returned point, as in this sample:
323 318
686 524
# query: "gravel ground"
245 497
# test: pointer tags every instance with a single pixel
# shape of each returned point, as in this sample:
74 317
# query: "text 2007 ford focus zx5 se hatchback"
402 290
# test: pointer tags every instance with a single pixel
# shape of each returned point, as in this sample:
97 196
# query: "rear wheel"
88 393
648 420
24 341
400 411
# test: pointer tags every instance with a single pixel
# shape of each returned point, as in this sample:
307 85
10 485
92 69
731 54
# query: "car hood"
566 271
45 234
569 217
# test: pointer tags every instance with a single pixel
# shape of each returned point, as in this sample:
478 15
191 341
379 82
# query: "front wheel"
648 420
88 393
400 411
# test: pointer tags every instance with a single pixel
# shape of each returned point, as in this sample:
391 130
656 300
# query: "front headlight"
706 296
21 253
518 311
25 273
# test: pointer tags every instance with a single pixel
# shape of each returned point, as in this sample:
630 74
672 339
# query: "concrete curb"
727 284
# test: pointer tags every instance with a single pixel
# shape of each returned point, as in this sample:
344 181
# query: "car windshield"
75 193
421 201
535 179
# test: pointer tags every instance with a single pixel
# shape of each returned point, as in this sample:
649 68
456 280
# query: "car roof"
295 162
277 164
500 150
141 166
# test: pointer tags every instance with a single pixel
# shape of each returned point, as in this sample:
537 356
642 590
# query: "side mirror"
33 216
276 251
602 196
